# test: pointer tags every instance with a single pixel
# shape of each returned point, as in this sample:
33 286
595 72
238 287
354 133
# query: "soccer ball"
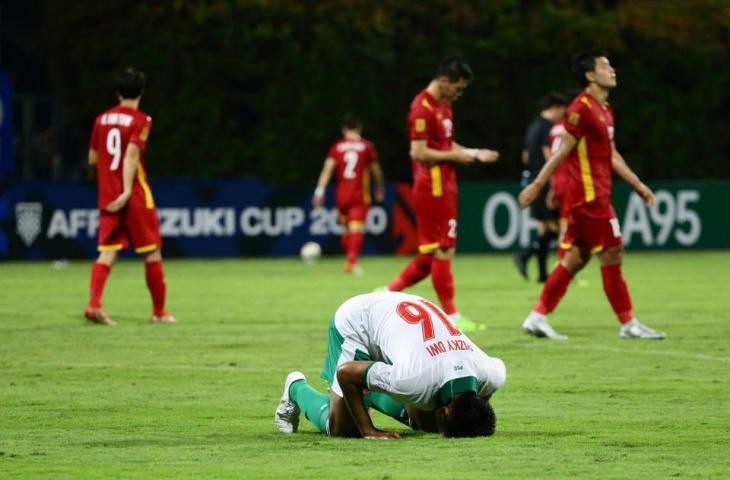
310 252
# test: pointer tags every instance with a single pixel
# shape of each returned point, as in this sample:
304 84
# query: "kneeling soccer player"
401 355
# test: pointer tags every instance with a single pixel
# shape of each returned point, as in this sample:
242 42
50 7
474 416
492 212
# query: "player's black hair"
454 67
351 122
130 83
584 62
553 99
471 416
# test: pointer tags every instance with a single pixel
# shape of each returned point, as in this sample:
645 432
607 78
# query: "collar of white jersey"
456 386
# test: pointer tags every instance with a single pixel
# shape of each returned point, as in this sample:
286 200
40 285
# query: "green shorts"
337 355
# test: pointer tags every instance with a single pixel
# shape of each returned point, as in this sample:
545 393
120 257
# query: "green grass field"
196 400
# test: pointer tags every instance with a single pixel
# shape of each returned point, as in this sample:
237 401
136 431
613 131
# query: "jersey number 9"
114 147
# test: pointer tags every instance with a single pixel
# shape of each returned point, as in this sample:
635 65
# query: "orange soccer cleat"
99 316
164 318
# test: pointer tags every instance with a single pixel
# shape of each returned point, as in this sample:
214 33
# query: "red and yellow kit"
352 170
434 184
592 220
113 131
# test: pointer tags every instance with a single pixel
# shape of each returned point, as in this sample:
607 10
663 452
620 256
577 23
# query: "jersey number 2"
415 313
351 157
114 147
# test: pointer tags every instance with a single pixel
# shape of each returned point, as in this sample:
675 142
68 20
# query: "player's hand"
118 203
487 156
379 195
381 435
318 200
529 194
646 194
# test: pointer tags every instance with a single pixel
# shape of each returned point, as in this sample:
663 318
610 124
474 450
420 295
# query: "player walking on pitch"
434 156
588 144
126 207
416 365
352 159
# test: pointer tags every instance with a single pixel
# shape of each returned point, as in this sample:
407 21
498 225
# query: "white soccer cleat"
286 418
634 329
536 324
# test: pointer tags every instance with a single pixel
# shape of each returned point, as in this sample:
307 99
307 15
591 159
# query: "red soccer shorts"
348 213
138 224
435 221
597 234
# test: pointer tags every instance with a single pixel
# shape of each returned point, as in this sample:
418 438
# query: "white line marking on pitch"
665 353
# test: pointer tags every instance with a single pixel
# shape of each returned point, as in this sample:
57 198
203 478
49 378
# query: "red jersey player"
126 207
352 159
434 156
588 145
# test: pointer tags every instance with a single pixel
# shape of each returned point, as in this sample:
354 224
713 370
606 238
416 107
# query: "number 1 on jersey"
414 313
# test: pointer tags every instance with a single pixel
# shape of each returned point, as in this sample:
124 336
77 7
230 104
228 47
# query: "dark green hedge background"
258 87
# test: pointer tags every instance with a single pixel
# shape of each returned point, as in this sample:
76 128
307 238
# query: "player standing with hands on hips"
352 159
126 207
588 144
434 157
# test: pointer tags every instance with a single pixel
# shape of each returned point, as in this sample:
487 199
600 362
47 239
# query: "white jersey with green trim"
420 357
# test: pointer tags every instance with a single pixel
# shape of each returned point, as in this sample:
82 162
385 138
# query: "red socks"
155 277
554 289
617 292
443 283
354 245
414 272
99 274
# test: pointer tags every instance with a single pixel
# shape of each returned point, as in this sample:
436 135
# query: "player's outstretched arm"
421 153
130 164
532 191
324 178
351 377
623 170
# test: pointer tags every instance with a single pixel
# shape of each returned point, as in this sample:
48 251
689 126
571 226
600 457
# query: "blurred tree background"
258 87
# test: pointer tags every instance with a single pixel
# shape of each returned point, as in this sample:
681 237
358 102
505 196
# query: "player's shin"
388 406
443 283
315 405
99 275
417 270
354 247
617 292
555 287
155 276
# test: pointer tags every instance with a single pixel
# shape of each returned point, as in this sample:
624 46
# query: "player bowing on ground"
588 144
126 207
410 358
434 156
352 159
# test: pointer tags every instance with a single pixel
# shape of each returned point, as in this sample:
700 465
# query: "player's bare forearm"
532 191
377 172
420 152
622 169
131 163
350 376
93 157
324 178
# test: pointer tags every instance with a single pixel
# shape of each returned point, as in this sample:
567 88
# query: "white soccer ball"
310 252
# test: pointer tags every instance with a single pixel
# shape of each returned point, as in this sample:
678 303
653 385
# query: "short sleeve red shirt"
589 170
113 131
432 121
352 162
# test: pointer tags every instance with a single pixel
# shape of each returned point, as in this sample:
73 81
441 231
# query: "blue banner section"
7 158
198 218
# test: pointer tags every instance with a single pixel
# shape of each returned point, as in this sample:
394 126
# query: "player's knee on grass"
468 415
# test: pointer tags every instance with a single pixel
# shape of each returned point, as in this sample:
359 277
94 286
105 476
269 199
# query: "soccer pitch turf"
196 399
